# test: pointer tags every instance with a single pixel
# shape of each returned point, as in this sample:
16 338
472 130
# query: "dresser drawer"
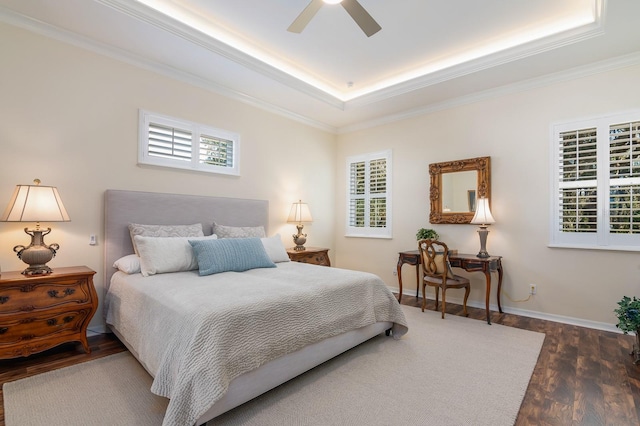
315 258
35 296
314 255
19 336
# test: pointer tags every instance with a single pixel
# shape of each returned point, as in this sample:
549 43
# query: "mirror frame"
481 164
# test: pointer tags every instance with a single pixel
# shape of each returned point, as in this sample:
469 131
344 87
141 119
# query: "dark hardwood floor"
583 376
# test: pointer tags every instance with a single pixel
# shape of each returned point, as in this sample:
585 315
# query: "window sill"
591 247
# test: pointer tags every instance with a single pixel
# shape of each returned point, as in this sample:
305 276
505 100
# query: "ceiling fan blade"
303 19
361 16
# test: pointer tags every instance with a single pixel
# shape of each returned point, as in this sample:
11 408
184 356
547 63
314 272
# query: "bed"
196 343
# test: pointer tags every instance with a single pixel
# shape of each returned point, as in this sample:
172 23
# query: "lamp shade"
483 213
299 213
35 203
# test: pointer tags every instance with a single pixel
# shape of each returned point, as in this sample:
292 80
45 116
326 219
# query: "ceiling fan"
353 7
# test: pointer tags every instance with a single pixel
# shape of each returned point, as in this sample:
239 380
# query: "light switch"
92 240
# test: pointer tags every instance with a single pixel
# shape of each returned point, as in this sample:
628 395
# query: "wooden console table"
468 262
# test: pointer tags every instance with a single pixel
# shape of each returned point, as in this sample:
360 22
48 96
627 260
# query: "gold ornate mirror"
455 186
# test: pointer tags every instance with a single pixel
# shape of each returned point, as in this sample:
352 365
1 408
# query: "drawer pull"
68 319
67 292
3 330
4 299
51 322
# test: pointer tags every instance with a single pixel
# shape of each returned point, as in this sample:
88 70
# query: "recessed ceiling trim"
576 35
143 10
607 65
158 19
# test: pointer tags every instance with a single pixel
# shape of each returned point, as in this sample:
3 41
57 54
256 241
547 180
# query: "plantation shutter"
216 151
368 200
176 143
169 142
624 178
596 186
378 191
357 185
578 173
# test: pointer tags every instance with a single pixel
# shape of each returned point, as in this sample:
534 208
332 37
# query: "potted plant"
426 234
628 313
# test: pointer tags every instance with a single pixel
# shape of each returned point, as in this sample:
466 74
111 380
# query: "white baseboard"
531 314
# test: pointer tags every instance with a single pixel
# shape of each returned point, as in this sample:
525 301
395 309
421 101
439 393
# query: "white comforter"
196 334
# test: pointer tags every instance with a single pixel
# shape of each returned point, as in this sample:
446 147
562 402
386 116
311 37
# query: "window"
369 195
170 142
596 193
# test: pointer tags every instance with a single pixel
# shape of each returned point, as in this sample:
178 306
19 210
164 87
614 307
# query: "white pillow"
129 264
194 230
159 255
275 249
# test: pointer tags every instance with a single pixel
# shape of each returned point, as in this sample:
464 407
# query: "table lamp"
299 213
36 203
483 218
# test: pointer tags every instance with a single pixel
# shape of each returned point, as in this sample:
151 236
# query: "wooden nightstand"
43 311
314 255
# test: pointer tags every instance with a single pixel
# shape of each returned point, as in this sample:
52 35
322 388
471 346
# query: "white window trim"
370 232
602 239
147 117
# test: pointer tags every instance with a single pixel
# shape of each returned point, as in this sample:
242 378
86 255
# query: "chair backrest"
434 255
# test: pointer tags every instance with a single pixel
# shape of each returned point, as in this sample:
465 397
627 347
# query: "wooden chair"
437 273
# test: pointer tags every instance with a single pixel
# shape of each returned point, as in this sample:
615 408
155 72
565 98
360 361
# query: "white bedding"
195 334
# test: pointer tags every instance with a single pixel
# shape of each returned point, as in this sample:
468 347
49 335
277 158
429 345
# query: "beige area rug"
455 371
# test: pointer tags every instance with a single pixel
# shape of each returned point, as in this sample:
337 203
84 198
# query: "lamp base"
483 232
37 254
483 254
299 239
37 270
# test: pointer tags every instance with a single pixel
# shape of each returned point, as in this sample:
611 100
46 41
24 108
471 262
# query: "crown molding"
38 27
142 12
490 61
546 80
159 20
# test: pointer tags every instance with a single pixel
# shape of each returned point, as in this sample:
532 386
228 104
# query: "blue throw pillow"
230 254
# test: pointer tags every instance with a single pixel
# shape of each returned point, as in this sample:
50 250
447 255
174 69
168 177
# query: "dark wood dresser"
40 312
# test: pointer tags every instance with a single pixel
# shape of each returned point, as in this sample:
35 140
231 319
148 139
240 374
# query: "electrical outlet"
533 289
395 273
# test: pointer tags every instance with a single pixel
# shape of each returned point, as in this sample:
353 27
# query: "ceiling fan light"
332 1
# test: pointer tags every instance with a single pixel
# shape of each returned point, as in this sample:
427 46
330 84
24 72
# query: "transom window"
369 195
170 142
596 194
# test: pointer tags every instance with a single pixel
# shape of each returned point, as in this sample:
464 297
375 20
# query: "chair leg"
424 295
437 289
467 290
444 302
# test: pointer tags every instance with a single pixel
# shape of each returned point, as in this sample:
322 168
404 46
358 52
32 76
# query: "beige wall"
70 118
514 130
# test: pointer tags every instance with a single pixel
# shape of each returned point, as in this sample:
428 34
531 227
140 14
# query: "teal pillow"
230 254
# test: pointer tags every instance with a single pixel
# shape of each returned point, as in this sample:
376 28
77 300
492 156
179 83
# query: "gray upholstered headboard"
125 207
